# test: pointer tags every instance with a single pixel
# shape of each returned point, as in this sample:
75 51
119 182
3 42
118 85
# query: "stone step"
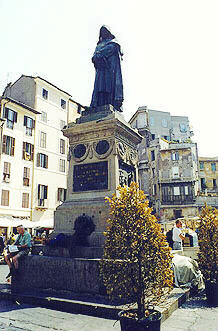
88 305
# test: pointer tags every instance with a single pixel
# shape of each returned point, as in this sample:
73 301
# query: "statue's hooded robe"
108 87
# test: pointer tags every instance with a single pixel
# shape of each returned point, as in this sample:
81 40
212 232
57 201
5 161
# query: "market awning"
6 221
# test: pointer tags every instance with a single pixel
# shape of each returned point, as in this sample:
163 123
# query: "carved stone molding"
107 153
83 157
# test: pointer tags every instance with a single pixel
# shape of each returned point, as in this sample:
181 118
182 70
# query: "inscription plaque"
90 177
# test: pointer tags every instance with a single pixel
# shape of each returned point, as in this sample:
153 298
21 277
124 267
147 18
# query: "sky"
170 50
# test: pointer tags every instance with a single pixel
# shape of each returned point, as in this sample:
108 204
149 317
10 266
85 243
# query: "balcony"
42 204
177 179
177 199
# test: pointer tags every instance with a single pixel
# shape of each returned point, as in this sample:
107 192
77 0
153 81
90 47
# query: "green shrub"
136 264
208 243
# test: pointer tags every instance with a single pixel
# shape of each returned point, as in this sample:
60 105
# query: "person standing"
23 243
178 237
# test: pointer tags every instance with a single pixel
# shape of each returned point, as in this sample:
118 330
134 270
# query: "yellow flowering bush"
208 243
136 263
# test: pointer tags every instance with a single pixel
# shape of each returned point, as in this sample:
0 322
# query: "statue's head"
105 34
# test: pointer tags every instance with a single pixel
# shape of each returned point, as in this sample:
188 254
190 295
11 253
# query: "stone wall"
60 274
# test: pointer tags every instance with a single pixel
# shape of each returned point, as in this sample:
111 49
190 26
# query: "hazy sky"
170 53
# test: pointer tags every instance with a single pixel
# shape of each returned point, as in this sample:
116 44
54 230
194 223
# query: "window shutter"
59 194
32 152
45 192
24 150
25 120
5 112
38 159
39 191
4 144
28 173
7 168
33 124
46 161
15 116
13 146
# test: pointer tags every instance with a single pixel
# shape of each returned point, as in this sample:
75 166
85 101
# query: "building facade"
34 151
168 163
208 174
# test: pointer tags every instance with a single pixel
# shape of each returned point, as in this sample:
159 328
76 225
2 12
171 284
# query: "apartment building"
161 124
208 174
168 163
34 151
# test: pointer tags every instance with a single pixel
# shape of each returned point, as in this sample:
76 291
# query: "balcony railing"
177 199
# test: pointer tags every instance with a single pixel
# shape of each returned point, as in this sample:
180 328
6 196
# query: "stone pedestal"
102 154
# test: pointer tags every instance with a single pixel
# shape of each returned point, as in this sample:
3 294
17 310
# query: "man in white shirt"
178 237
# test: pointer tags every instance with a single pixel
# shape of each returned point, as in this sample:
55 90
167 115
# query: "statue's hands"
118 104
99 61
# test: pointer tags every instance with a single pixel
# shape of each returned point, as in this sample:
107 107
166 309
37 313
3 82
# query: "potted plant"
136 264
208 254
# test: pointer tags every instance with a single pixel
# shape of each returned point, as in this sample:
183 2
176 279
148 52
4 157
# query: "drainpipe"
33 171
2 121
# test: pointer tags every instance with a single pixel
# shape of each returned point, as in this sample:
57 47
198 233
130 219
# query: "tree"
208 243
136 263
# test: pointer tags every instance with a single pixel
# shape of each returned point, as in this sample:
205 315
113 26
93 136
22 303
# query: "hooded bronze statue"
108 87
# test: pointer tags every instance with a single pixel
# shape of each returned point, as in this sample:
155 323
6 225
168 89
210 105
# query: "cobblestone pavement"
194 315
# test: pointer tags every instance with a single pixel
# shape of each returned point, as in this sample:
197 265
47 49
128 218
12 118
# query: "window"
175 156
175 172
42 142
63 104
42 194
153 172
164 123
214 183
201 165
28 151
176 190
62 146
42 160
8 145
44 116
6 172
62 194
213 166
183 127
186 190
151 121
29 123
152 136
5 198
25 200
152 155
11 117
203 183
154 189
62 124
62 165
44 94
177 213
26 176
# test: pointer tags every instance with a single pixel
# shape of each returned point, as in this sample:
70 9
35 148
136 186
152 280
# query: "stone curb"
177 298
